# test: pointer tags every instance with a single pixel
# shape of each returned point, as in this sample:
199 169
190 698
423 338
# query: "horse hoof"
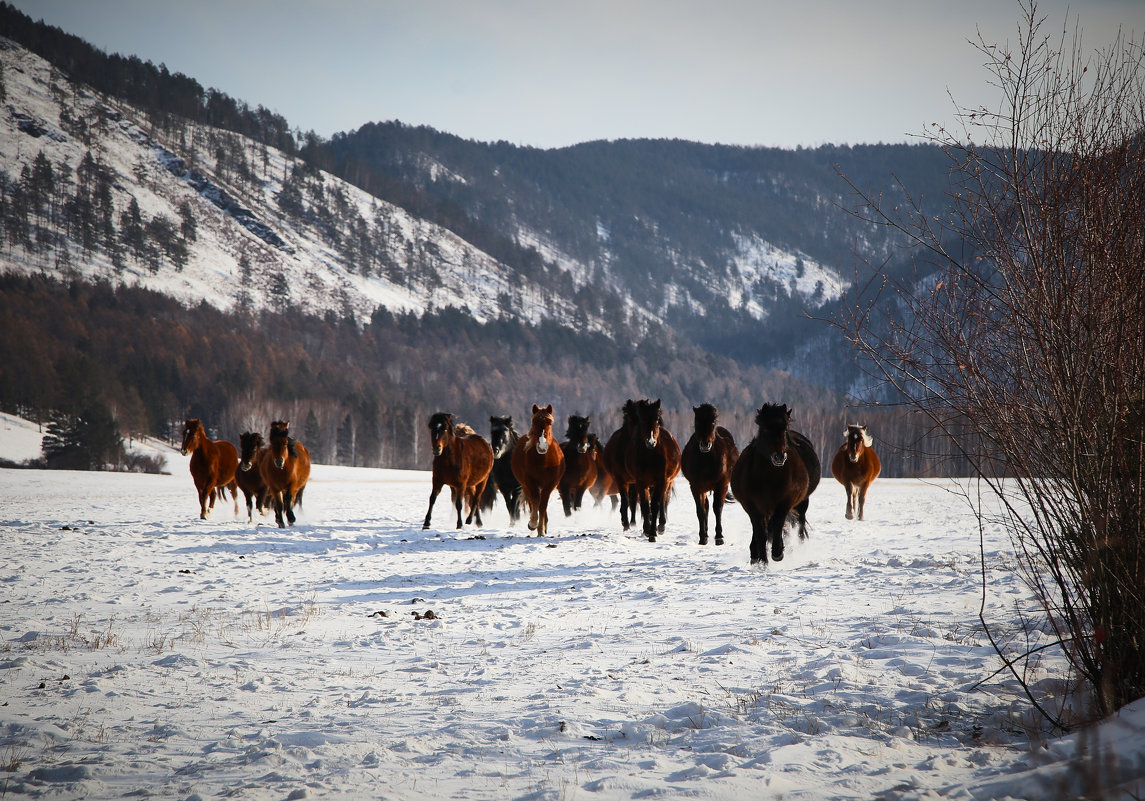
719 540
850 516
704 540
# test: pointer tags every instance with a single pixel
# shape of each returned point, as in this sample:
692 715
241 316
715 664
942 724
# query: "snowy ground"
146 653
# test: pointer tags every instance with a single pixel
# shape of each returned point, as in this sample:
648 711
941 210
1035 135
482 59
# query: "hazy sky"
549 74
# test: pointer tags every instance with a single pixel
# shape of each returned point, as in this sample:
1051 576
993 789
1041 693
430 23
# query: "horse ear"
549 408
536 408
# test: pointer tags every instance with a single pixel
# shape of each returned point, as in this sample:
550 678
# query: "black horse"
652 461
773 478
580 463
503 437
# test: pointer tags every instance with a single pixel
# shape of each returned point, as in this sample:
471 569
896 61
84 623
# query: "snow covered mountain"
205 214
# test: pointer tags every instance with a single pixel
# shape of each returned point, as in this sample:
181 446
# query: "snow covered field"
146 653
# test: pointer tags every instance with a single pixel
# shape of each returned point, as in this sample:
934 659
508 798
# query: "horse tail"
489 494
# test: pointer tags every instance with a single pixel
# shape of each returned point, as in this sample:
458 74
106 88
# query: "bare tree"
1023 337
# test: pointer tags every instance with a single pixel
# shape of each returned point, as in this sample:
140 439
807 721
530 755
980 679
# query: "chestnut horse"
773 477
249 477
462 459
539 463
285 467
652 460
856 466
616 462
605 485
213 465
503 437
580 464
707 462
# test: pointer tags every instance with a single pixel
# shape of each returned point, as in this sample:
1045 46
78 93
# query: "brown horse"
249 477
652 459
213 464
856 466
616 462
580 464
707 462
285 467
774 476
605 485
539 463
462 460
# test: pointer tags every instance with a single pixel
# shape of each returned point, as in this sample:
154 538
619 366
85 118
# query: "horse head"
773 421
541 428
279 442
705 416
857 439
440 431
192 430
250 443
502 436
648 419
577 433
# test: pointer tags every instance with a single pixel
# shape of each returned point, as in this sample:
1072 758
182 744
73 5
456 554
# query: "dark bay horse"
503 437
652 460
249 477
707 462
773 477
285 467
213 465
462 460
856 466
580 463
539 463
615 459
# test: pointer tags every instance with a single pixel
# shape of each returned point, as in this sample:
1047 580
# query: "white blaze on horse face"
542 445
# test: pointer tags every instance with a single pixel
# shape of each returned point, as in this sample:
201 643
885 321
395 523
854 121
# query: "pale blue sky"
548 74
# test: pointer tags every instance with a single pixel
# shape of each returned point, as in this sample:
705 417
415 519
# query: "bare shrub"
1022 334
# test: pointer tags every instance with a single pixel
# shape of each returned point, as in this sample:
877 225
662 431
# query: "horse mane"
505 422
868 441
463 429
770 410
628 412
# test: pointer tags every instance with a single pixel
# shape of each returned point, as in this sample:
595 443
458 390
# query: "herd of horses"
772 479
271 475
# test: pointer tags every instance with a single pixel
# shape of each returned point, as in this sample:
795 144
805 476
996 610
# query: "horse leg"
850 500
432 497
459 502
288 505
775 532
718 497
701 499
279 506
801 516
566 499
862 498
758 547
649 508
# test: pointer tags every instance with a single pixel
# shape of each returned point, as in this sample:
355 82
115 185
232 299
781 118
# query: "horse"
213 465
615 459
580 464
463 460
856 466
249 477
652 459
503 437
773 477
707 462
538 463
285 467
605 485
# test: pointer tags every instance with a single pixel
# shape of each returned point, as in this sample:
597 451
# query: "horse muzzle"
246 466
582 447
280 463
705 446
650 443
184 451
778 459
853 458
437 449
542 446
